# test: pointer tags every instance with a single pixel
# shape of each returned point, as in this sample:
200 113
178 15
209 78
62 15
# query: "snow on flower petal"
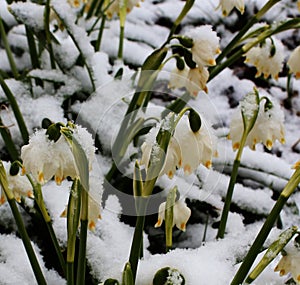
197 78
44 158
267 58
205 45
267 129
294 62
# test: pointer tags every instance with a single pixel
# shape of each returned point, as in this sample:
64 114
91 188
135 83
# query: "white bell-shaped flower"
179 154
227 5
267 58
44 158
205 45
267 129
114 7
18 184
290 263
194 79
181 214
294 62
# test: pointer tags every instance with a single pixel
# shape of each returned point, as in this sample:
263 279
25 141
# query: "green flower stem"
56 247
136 245
47 219
9 144
186 8
121 42
73 213
21 228
99 38
81 266
244 30
27 244
229 194
48 33
15 107
8 50
70 272
265 230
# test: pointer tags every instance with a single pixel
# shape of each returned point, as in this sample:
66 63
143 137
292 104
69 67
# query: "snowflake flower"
267 129
194 79
290 263
227 5
205 45
114 7
181 214
44 158
18 184
294 62
264 60
202 142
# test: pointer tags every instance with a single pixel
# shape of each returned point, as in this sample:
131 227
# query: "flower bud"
194 120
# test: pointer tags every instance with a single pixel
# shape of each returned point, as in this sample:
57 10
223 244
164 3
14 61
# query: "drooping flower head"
205 45
267 58
200 46
18 184
181 214
227 5
290 263
267 129
294 62
114 7
179 154
45 158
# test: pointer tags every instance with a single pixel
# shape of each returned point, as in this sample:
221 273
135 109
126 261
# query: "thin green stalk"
229 194
70 273
21 227
136 245
27 244
47 219
56 247
81 266
265 230
73 213
8 50
48 33
99 38
15 107
9 144
121 42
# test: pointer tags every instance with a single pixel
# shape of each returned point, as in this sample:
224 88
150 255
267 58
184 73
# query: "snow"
87 92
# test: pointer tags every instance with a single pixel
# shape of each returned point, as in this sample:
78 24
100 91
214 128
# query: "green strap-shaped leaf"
273 250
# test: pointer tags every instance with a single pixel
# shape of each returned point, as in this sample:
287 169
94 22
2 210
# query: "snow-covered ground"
82 88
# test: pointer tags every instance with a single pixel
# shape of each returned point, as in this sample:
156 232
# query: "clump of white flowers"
227 6
179 154
267 129
44 158
290 263
181 214
267 58
294 62
204 46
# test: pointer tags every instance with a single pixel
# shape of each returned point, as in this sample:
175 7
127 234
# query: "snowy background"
197 254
